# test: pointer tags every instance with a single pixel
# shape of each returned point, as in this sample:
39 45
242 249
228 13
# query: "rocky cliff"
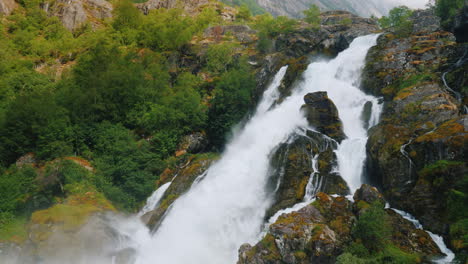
417 152
75 13
7 6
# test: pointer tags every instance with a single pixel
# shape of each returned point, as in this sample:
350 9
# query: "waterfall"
154 199
227 207
449 255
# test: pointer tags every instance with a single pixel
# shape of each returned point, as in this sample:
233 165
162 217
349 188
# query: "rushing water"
449 255
154 199
227 208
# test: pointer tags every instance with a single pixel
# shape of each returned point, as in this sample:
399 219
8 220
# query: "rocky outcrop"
7 7
295 8
193 143
320 232
75 13
182 176
416 153
242 33
322 115
302 167
338 29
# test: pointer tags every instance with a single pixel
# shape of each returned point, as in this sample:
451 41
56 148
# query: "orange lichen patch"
301 189
404 93
165 177
323 197
450 128
180 152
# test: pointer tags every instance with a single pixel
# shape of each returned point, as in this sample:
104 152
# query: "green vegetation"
119 95
398 21
372 240
312 15
447 9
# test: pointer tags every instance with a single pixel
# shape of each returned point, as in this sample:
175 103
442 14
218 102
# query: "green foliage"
447 9
264 44
372 228
220 57
398 21
15 187
312 15
244 13
272 27
169 29
125 168
232 99
34 122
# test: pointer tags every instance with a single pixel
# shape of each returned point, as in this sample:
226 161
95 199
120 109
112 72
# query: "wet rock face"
292 170
322 115
320 232
422 125
7 6
185 172
75 13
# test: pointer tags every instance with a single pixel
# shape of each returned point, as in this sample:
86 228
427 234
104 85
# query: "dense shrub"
398 21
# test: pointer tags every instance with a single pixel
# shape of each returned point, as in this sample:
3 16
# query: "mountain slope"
294 8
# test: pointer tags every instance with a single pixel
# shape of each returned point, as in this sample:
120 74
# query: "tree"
244 13
447 9
232 99
312 15
126 15
398 21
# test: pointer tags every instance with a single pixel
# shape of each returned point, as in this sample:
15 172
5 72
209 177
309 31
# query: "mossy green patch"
13 229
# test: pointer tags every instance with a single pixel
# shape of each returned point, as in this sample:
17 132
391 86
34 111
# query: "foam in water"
227 208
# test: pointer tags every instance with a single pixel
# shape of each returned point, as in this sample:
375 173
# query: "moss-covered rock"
322 115
292 169
182 175
422 123
324 229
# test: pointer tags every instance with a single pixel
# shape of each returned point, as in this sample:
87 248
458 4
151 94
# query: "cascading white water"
154 199
449 255
227 208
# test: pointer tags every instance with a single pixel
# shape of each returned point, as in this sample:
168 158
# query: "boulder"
193 143
7 7
28 159
368 194
322 115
